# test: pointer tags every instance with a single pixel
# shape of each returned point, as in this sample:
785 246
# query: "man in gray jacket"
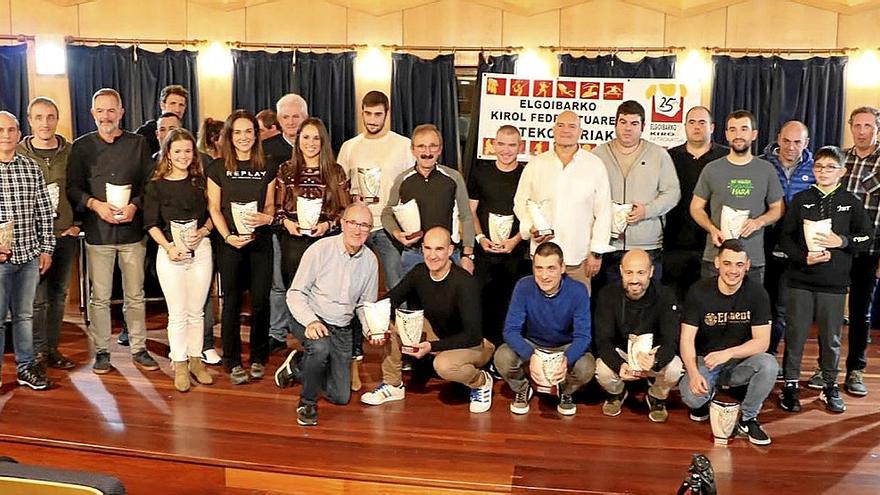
644 187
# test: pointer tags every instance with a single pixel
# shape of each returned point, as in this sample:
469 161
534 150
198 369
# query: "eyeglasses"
363 227
826 168
425 147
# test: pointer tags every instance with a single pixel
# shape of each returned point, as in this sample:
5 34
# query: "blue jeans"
326 365
18 285
51 295
412 256
758 372
380 242
280 320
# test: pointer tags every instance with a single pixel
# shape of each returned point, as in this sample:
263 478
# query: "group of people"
544 275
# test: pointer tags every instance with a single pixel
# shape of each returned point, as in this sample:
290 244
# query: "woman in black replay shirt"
240 200
176 217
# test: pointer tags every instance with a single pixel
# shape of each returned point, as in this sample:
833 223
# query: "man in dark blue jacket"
549 312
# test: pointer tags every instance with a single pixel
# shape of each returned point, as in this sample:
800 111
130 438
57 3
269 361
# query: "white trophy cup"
551 364
409 218
723 416
410 325
538 212
182 232
811 228
239 212
636 345
54 197
118 196
369 181
7 230
308 213
378 316
732 222
500 227
619 211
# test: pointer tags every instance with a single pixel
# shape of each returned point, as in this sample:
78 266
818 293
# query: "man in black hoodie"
637 307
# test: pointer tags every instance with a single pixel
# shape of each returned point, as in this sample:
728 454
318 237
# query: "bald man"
793 162
450 299
571 187
637 307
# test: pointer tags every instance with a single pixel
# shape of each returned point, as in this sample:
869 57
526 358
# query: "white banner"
531 105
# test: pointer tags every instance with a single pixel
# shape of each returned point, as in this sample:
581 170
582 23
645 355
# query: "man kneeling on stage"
725 332
336 276
645 313
450 299
549 315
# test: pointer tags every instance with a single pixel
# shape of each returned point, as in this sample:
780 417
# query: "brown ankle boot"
197 368
181 376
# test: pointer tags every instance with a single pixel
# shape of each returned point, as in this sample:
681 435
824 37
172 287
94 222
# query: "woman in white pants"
176 217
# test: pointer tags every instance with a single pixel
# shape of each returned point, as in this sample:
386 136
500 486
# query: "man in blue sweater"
548 311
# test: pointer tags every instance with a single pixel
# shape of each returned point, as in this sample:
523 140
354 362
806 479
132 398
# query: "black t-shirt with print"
724 321
242 186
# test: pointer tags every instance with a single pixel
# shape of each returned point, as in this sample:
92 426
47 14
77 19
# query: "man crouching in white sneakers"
450 299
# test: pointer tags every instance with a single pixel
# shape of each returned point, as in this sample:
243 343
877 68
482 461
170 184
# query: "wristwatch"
469 256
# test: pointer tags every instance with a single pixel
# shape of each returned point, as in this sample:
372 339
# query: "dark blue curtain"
14 83
157 70
424 92
326 82
611 66
260 78
778 90
91 68
504 64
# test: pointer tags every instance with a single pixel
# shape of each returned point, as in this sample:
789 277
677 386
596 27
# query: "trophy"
407 215
551 362
54 197
410 325
7 229
308 213
723 416
378 316
811 228
539 217
732 221
239 212
500 227
636 345
619 212
369 180
118 197
182 232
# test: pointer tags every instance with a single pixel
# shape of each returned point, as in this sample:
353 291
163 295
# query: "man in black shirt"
450 299
98 161
683 239
172 99
725 332
501 257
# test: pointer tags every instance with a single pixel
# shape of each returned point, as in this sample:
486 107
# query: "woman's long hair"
164 166
209 137
227 148
293 168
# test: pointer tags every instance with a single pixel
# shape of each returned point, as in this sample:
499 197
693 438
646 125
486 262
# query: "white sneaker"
210 357
481 397
383 393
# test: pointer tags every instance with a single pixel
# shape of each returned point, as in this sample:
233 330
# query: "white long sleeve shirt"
577 200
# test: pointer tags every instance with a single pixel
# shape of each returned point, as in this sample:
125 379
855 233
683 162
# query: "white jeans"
185 285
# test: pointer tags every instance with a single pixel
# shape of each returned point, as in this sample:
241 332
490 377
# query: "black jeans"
248 268
775 281
51 295
326 365
802 306
497 274
292 250
861 293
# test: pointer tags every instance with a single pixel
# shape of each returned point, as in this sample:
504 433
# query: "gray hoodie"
652 181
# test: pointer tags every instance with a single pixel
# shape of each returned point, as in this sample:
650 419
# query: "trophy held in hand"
378 316
410 326
308 214
540 219
551 364
369 181
240 211
409 218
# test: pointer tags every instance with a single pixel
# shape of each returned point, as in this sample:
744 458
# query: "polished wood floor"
225 439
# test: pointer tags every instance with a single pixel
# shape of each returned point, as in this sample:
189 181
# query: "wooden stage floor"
225 439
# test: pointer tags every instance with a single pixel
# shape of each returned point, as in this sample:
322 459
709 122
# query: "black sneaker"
357 352
102 363
700 414
33 378
123 337
790 397
276 345
307 415
144 361
494 372
830 395
752 429
288 372
59 361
